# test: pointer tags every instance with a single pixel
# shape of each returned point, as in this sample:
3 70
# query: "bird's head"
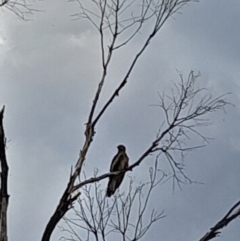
121 148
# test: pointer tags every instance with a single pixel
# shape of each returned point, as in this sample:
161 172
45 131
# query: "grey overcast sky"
49 72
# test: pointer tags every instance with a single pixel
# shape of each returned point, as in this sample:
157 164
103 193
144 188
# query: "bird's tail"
111 188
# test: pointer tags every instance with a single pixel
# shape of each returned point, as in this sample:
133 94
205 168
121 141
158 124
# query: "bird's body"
119 162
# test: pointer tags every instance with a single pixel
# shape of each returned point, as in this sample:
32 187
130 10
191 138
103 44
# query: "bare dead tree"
4 196
232 214
112 16
184 113
101 218
21 8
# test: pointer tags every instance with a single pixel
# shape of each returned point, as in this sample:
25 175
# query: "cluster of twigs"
21 8
232 214
99 217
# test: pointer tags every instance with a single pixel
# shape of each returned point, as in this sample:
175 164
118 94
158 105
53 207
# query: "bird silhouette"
119 162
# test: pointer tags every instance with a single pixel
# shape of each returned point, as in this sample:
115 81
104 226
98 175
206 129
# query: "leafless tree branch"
232 214
21 8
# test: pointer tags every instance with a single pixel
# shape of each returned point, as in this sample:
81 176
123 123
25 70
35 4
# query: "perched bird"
119 162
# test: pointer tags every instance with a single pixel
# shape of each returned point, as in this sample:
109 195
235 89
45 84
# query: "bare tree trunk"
4 178
109 20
